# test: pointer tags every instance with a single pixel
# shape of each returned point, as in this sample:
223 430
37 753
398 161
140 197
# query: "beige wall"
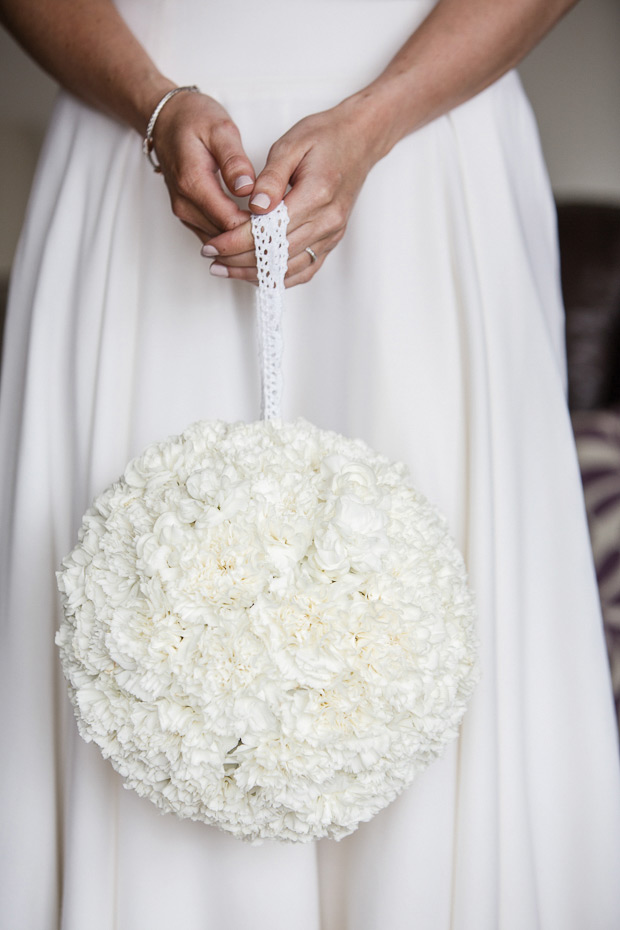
572 78
573 81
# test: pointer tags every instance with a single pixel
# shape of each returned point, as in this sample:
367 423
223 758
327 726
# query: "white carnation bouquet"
266 628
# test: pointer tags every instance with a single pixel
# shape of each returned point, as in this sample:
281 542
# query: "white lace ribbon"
271 248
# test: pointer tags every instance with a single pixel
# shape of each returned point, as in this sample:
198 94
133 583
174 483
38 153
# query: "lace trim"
271 249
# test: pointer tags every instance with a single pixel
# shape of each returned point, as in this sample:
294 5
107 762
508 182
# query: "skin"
460 48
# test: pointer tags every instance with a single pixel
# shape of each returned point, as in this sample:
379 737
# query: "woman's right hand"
91 51
194 139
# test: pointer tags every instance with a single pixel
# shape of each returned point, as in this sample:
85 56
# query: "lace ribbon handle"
271 249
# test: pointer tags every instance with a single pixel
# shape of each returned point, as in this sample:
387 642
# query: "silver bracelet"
147 145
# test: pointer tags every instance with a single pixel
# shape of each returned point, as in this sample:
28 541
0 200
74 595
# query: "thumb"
235 166
271 184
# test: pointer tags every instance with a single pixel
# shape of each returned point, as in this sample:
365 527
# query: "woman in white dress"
434 332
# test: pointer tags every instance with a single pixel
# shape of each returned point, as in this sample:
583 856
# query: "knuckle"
229 223
180 209
187 184
338 235
272 179
184 191
338 216
283 148
234 164
222 128
323 191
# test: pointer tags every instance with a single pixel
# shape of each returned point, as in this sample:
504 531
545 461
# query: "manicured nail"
243 181
261 200
209 251
220 271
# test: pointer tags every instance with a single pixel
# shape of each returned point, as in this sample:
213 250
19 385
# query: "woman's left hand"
325 158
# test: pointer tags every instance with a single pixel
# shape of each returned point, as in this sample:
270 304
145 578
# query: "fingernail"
243 181
220 271
261 200
209 251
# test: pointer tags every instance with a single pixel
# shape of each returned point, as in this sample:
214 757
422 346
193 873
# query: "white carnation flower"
267 628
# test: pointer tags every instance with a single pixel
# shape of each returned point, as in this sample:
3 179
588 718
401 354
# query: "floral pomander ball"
266 628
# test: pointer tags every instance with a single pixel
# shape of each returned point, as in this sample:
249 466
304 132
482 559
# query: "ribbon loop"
271 249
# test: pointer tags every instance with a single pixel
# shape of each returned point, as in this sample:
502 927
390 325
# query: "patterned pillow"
597 434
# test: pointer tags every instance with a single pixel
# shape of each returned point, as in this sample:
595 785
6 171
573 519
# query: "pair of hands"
324 158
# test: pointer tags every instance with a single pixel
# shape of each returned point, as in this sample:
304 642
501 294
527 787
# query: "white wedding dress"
434 332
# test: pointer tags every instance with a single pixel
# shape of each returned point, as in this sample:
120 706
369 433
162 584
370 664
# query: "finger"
203 236
311 219
305 262
236 248
242 260
327 222
306 224
238 274
227 149
300 263
233 268
306 274
248 259
304 259
300 269
198 184
240 240
200 226
246 271
299 257
234 242
309 235
283 160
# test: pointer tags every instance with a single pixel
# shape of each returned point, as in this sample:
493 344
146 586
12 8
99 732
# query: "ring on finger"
312 254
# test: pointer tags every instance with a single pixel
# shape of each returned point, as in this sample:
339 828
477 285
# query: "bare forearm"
459 50
89 49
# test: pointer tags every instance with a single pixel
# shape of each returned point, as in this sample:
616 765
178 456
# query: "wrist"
383 113
148 143
147 95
